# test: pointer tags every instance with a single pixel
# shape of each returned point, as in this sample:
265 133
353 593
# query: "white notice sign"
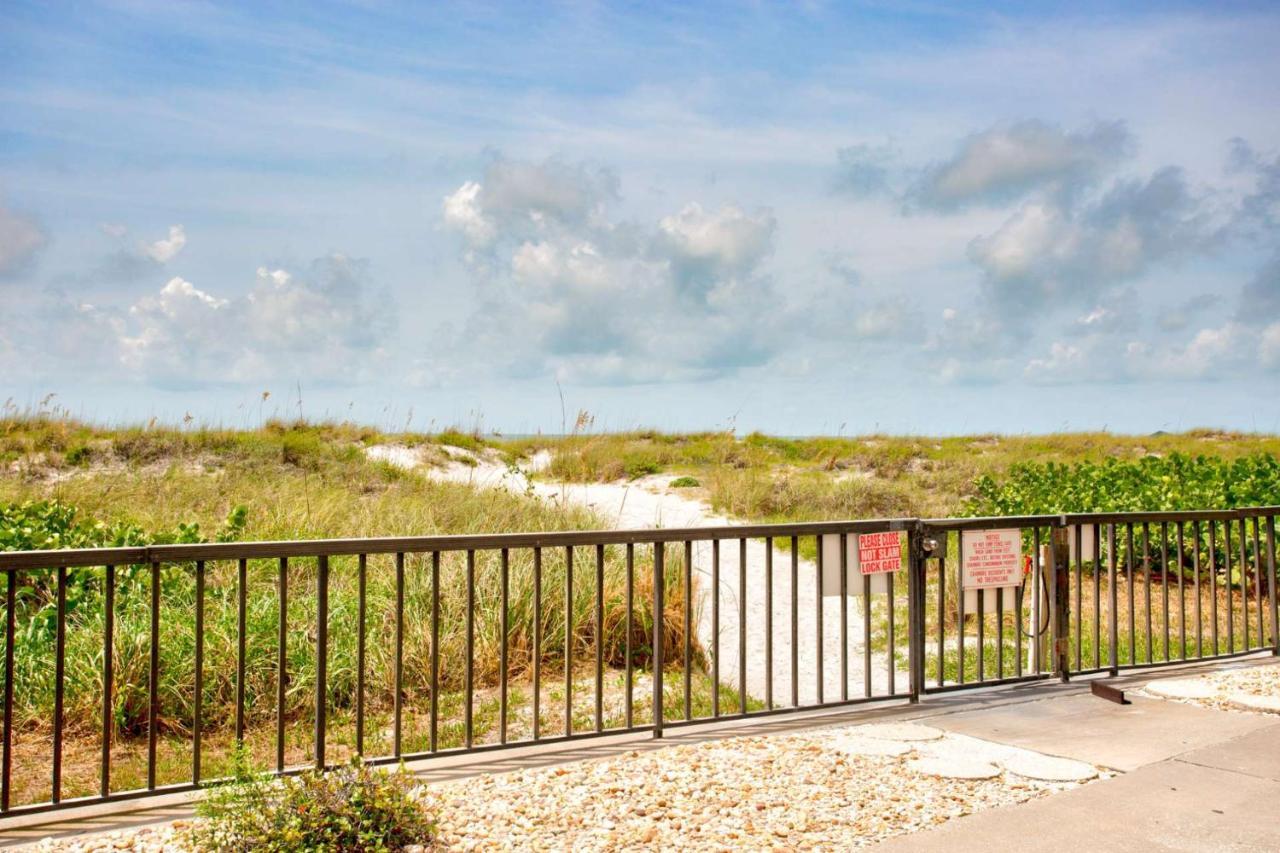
991 558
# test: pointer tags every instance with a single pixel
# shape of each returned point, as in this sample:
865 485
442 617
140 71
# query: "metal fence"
130 672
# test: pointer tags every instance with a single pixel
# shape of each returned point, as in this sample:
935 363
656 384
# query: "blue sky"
798 218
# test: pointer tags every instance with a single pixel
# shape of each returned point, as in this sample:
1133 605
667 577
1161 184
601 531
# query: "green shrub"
640 463
354 808
79 455
1151 483
684 483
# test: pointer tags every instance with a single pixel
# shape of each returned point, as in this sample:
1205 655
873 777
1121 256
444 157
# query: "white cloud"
563 289
1049 253
1009 160
20 239
323 324
164 250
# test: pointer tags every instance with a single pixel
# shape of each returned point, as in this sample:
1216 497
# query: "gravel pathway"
833 788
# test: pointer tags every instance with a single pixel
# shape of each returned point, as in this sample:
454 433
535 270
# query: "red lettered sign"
991 558
880 552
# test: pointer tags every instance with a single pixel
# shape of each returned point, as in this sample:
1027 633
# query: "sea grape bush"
1152 483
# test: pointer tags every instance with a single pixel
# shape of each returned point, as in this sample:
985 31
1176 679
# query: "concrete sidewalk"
1193 778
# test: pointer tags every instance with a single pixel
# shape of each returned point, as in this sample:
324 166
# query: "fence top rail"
11 560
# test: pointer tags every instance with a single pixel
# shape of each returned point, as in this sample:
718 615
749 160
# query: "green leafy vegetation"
684 483
354 807
1150 483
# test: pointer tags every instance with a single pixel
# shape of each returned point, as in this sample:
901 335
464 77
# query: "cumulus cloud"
20 239
1050 253
137 261
1007 161
323 323
564 288
166 249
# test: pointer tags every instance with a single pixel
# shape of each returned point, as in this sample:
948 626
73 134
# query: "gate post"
920 547
1060 593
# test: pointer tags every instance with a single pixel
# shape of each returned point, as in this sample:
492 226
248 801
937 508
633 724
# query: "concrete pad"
1182 688
854 744
1254 754
900 731
1083 727
1046 768
1167 806
954 768
1254 703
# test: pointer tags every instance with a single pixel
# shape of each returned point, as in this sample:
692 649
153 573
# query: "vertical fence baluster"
1195 562
197 720
10 617
282 660
688 628
795 622
153 679
502 652
942 606
715 628
362 573
1213 582
659 623
960 626
599 637
768 623
1113 616
108 677
537 643
630 675
59 674
470 672
1079 614
568 640
1146 579
1182 592
1000 633
844 616
242 584
982 624
322 657
817 597
397 698
867 686
742 626
434 733
893 663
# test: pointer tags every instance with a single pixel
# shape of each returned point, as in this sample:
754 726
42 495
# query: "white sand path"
650 502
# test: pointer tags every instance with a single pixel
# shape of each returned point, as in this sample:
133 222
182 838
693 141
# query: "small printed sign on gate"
991 558
880 552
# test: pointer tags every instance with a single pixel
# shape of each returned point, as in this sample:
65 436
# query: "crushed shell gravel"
779 792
